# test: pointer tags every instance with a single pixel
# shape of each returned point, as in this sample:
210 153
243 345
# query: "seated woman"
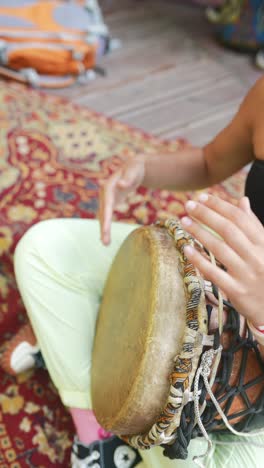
61 267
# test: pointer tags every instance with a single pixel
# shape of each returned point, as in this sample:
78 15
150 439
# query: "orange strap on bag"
51 43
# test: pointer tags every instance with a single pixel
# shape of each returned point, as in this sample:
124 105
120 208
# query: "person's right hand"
239 246
115 190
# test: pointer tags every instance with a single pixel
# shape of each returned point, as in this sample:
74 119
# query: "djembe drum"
160 356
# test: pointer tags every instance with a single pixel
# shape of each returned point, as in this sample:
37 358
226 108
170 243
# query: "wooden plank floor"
170 77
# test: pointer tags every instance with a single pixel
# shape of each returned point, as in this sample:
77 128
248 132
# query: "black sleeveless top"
254 189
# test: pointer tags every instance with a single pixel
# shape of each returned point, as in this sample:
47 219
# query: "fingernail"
244 204
247 202
190 205
186 221
203 197
188 250
104 239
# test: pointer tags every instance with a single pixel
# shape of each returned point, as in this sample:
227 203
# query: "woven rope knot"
206 362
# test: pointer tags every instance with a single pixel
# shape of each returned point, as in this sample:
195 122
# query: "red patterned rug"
52 155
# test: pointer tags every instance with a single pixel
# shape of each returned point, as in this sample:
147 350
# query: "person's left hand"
240 248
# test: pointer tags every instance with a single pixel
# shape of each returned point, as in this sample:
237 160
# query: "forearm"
234 147
197 168
184 170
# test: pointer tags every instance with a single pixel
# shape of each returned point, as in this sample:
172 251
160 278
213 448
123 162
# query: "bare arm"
191 168
234 147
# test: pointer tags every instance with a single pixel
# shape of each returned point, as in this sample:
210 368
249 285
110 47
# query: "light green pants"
61 267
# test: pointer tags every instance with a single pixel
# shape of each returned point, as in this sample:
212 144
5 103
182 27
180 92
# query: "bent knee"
33 242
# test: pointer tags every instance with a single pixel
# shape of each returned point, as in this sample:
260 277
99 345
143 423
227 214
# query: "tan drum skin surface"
140 330
141 323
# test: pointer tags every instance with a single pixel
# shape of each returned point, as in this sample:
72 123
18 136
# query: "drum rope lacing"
204 371
208 367
187 429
